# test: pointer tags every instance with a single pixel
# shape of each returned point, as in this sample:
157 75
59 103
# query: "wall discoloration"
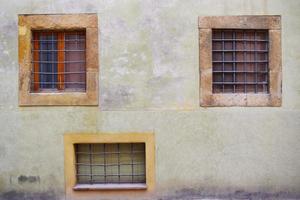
235 195
28 179
149 82
15 195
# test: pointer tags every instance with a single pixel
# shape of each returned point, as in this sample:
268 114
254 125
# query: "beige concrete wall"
149 72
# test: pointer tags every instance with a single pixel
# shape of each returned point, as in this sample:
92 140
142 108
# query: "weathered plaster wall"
149 76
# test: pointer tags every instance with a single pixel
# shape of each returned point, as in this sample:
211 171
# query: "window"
109 162
58 58
240 61
115 163
58 61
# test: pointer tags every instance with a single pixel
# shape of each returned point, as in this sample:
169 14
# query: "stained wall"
149 82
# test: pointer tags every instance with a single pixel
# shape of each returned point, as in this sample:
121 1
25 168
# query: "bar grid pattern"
240 61
110 163
58 60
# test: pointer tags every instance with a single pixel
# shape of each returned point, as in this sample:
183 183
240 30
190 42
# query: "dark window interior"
240 61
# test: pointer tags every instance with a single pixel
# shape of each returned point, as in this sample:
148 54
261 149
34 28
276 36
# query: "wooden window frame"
73 190
27 23
271 23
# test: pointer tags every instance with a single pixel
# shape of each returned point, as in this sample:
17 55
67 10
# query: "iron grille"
240 61
58 60
110 163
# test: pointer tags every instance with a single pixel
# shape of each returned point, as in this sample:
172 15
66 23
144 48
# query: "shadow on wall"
14 195
237 195
178 195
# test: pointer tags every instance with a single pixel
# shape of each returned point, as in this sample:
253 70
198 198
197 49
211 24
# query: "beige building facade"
149 81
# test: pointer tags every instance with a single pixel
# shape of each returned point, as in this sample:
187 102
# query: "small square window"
58 59
240 61
242 65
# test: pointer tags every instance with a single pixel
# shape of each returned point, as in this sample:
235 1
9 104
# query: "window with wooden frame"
58 58
101 162
240 61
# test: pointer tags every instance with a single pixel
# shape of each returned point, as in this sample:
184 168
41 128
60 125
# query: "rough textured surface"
241 22
149 82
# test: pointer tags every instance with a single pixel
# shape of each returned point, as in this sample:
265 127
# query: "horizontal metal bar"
50 73
110 175
55 90
59 82
240 83
240 50
55 62
113 164
238 61
239 30
101 153
261 72
65 50
49 40
238 40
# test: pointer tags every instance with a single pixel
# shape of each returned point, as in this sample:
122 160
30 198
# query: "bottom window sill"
122 186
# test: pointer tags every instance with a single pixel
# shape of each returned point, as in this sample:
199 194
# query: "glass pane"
48 60
75 76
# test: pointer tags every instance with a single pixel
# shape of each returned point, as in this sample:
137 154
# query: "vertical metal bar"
76 39
104 155
65 51
267 78
91 162
144 162
52 61
244 57
119 162
223 59
255 58
234 64
131 145
76 161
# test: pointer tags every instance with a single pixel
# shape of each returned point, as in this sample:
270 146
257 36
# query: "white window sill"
121 186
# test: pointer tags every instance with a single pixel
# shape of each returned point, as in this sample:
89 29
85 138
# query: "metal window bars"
58 60
110 163
240 61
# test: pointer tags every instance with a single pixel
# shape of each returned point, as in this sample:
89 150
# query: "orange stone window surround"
263 88
63 93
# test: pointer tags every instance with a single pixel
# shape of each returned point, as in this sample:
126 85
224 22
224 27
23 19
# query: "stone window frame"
272 23
70 139
30 22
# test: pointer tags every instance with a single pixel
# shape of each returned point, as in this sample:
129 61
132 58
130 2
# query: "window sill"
127 186
240 99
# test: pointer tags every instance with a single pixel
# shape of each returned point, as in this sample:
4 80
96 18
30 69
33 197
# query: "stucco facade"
149 82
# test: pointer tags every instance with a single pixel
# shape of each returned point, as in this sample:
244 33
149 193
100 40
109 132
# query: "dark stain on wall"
28 179
14 195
